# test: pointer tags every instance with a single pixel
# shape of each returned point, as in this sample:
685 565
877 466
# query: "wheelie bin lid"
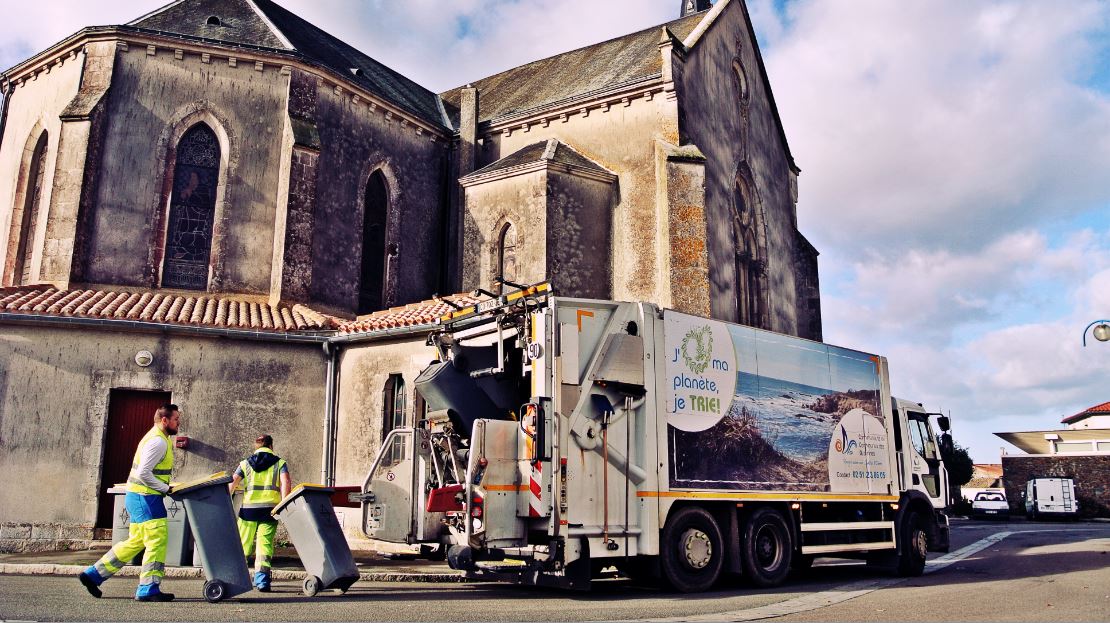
219 478
298 490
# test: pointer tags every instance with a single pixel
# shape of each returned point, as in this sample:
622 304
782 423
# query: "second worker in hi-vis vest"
265 478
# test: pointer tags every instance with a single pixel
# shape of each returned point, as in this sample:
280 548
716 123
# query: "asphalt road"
1038 572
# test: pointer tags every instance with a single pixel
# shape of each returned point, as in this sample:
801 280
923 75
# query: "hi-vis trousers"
260 534
147 531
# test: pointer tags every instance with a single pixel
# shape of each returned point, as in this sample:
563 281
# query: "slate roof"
1102 409
552 150
425 312
264 24
597 67
157 306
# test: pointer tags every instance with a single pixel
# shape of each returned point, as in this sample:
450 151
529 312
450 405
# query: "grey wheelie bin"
310 519
179 543
208 506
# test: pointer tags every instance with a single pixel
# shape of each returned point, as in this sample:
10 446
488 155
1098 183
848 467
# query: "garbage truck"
564 438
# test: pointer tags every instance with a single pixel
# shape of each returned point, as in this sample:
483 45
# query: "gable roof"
164 307
265 24
601 66
1102 409
551 150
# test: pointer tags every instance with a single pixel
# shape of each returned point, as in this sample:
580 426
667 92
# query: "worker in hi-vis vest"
265 478
147 485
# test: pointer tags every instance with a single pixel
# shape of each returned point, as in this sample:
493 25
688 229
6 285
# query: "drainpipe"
327 462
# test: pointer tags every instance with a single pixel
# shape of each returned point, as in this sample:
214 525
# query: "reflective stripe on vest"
263 489
161 471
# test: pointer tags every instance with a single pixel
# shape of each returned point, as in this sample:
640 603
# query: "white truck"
567 436
1050 497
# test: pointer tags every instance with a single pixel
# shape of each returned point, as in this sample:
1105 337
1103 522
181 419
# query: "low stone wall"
1091 474
44 537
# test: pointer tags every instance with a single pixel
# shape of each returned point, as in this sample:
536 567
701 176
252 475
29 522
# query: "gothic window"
506 254
25 238
750 265
196 176
743 93
375 221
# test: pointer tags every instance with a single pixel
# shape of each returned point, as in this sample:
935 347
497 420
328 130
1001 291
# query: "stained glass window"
196 176
375 224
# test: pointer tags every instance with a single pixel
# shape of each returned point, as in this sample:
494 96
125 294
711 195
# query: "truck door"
388 504
925 458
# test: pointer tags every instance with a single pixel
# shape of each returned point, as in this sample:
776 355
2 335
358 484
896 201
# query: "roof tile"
215 311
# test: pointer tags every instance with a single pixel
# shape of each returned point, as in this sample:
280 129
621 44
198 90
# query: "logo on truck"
701 371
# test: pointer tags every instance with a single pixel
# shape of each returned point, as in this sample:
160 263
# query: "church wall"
578 233
150 97
355 141
521 200
34 106
621 139
712 119
229 392
363 372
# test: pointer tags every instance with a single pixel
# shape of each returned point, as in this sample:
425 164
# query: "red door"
130 416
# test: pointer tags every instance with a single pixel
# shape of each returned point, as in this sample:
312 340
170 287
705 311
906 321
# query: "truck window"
921 438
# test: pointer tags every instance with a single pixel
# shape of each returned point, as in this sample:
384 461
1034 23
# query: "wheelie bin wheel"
312 585
214 591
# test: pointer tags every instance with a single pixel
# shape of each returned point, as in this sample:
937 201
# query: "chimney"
468 129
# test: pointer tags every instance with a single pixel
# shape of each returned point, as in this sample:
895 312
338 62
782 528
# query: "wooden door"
130 416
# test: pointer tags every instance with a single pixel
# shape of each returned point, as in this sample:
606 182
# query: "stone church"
222 205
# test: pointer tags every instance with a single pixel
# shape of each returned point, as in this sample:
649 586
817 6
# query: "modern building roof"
597 67
265 24
164 307
1102 409
1034 441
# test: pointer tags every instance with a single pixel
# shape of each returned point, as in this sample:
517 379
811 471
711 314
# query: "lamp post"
1101 332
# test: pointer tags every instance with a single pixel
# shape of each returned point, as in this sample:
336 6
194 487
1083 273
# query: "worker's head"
264 441
168 418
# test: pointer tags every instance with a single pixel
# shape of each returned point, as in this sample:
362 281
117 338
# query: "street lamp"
1101 332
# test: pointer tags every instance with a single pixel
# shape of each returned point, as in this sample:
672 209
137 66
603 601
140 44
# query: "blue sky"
955 162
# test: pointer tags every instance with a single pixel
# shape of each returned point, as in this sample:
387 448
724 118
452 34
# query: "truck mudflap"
481 564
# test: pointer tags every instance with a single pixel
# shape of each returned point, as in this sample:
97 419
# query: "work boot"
90 584
159 596
264 588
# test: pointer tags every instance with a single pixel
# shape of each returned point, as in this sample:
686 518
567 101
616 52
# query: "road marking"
839 594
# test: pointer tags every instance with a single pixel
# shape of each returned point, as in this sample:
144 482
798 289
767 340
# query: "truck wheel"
692 550
914 548
765 548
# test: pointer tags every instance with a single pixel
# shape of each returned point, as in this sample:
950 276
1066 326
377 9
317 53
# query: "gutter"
331 416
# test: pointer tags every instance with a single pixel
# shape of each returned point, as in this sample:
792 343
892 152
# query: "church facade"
267 212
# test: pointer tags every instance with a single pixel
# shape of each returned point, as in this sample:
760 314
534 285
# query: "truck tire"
914 547
766 550
692 550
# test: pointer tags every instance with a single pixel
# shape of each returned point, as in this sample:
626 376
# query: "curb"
198 573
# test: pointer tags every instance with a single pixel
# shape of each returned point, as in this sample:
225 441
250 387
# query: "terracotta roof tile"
425 312
1102 409
213 311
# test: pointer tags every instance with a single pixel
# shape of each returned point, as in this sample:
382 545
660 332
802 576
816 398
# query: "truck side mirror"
943 423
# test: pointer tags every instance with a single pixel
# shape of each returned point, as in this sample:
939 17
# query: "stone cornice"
475 179
234 54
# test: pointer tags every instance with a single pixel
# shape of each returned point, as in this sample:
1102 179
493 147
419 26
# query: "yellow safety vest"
161 471
262 489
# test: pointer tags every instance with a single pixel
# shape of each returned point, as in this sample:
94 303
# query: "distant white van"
1050 497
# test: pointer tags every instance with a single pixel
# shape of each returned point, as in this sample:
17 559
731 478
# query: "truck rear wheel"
914 547
766 549
692 550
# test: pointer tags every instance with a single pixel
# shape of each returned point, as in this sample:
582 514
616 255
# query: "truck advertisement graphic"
754 410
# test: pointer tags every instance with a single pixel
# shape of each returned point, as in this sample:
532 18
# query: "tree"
959 465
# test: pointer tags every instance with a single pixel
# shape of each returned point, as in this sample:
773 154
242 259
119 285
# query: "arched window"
750 265
196 177
24 237
506 255
375 222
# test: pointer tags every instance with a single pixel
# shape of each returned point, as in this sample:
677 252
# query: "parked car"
990 505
